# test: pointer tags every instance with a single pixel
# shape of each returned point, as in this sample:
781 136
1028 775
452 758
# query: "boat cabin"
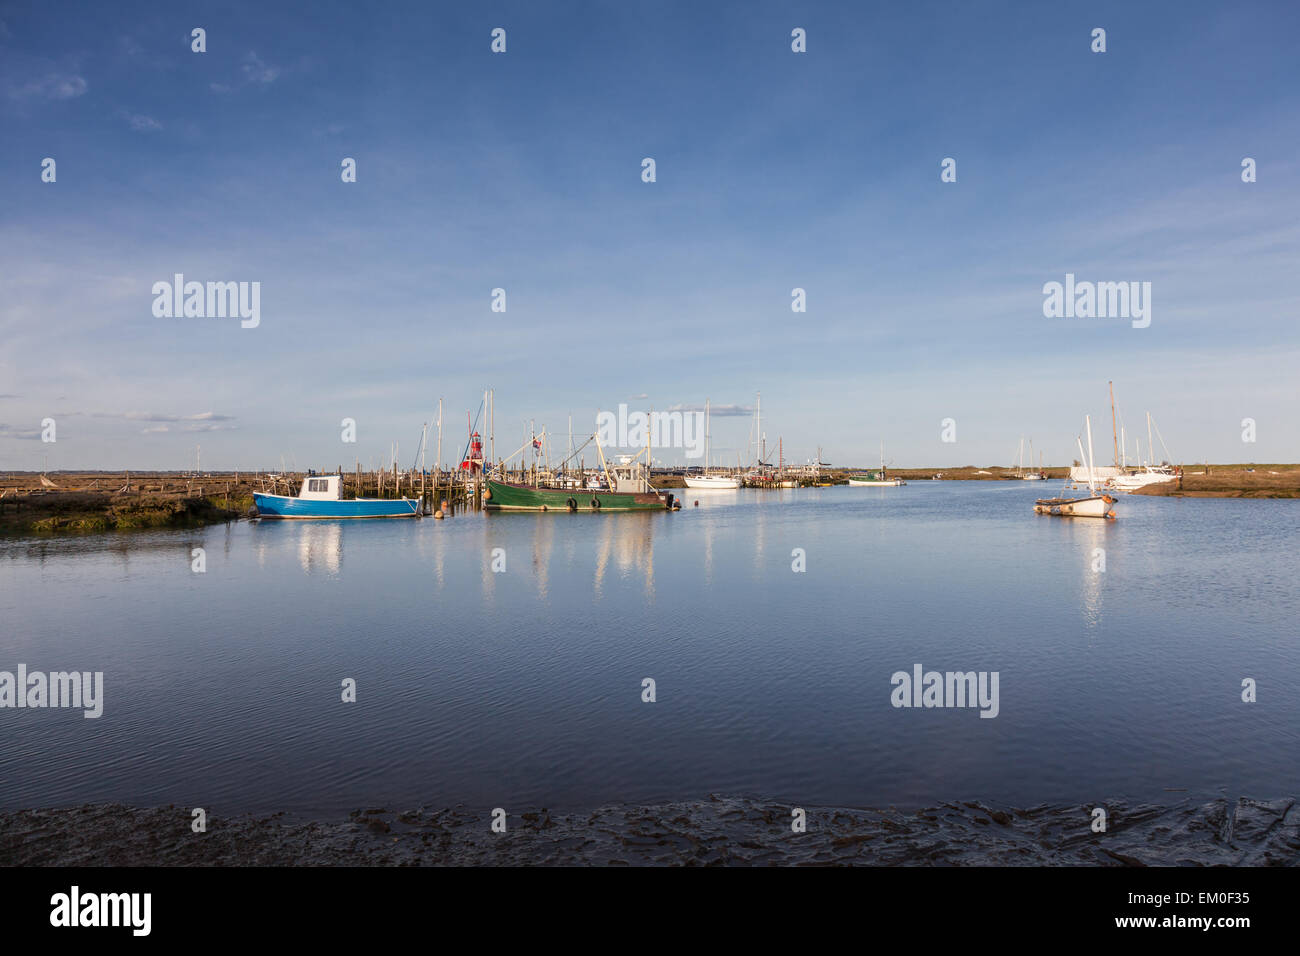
322 488
630 477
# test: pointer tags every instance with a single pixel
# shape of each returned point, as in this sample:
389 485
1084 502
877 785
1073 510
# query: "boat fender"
487 493
544 507
573 504
595 503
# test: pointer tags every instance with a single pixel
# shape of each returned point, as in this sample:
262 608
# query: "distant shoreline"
717 830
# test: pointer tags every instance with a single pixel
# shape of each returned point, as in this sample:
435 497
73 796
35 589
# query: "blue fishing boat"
322 497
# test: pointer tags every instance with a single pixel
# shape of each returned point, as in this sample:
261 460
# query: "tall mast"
1092 478
758 407
1114 435
706 436
1151 458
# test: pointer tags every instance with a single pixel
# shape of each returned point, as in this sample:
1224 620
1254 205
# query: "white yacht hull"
712 483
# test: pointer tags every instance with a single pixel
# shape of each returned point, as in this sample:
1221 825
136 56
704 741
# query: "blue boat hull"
280 506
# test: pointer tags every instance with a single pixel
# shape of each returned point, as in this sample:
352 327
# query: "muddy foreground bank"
714 831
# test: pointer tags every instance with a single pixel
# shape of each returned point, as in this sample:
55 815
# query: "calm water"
524 687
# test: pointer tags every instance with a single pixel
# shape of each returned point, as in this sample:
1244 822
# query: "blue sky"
522 171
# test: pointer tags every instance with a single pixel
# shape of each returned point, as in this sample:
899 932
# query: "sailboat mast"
1113 433
706 436
1092 477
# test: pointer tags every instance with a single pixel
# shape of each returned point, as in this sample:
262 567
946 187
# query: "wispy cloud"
151 417
143 123
255 70
26 434
158 424
721 411
52 86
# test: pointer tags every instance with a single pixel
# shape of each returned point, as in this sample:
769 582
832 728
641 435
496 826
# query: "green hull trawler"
626 488
516 496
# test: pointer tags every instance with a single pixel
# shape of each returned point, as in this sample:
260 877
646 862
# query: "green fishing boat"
516 496
626 488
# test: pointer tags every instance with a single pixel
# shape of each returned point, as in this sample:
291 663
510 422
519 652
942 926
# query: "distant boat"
1038 475
1093 506
876 478
706 481
714 482
321 496
1023 475
1151 475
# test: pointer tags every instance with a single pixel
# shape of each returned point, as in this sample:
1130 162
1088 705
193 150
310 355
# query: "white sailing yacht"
706 481
1150 474
1032 475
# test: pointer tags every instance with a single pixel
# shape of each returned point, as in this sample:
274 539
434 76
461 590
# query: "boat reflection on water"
320 547
500 547
623 544
1088 539
626 545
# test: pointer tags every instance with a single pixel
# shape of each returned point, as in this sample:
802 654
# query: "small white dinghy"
1094 506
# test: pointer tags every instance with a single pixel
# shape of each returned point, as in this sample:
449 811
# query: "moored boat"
321 496
1097 506
706 481
712 482
1093 506
626 488
878 478
518 496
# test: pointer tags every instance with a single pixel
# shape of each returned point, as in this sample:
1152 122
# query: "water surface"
524 687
